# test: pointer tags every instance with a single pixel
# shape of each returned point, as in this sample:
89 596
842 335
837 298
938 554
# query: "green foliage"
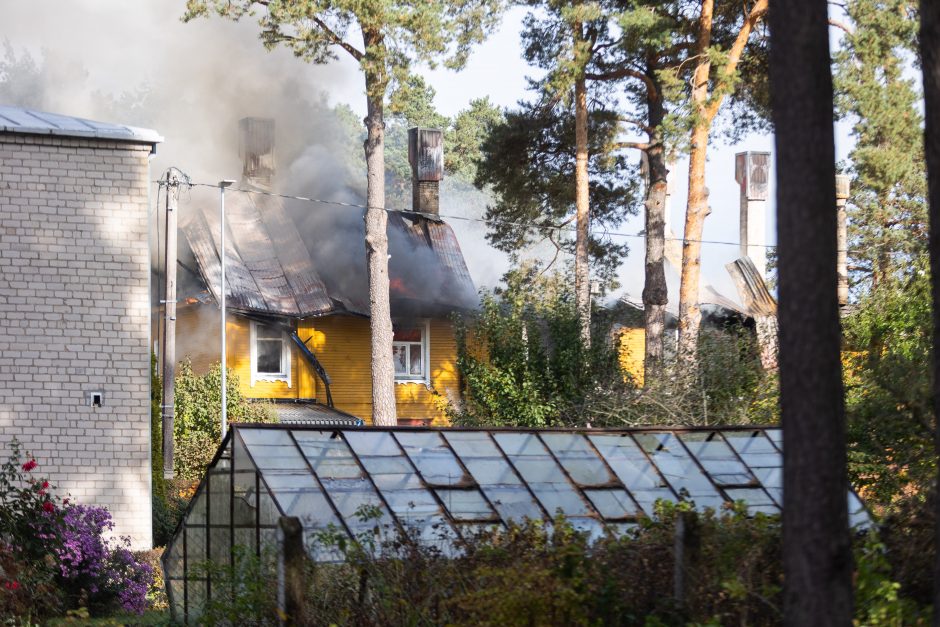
887 209
533 574
197 426
528 165
727 387
522 363
521 358
878 602
241 590
888 388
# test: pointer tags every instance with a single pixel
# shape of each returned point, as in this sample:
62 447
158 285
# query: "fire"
397 286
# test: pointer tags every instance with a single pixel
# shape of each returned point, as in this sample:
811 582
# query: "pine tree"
887 210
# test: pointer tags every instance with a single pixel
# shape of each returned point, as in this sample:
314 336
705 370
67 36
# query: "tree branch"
737 49
637 123
624 72
841 25
329 32
636 145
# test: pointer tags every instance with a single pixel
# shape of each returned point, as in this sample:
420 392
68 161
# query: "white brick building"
74 307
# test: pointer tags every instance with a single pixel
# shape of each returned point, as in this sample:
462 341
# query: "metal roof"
268 268
273 268
442 485
32 122
300 412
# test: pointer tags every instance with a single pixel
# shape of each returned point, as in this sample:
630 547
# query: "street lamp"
222 185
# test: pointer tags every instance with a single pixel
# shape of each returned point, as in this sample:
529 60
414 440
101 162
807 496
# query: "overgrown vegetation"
523 363
538 574
197 427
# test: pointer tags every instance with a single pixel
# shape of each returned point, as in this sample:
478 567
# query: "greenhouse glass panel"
496 477
634 468
442 486
578 458
544 477
754 448
717 458
680 470
614 504
433 459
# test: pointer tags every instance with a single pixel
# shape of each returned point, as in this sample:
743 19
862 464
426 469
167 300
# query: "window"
410 352
270 354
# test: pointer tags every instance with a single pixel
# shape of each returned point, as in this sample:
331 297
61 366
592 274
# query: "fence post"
290 571
678 569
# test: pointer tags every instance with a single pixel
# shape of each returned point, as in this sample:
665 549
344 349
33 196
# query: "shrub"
537 574
55 554
197 428
241 590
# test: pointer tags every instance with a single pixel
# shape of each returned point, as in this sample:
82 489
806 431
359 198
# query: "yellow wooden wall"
341 343
631 351
197 339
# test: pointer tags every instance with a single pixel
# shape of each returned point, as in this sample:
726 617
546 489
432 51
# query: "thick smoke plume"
138 64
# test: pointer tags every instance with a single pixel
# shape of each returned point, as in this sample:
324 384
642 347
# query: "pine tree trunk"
655 294
817 555
690 317
930 55
383 370
582 270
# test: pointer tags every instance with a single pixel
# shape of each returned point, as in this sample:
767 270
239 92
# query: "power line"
528 225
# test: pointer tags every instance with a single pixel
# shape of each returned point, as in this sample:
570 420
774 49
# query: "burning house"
74 345
297 292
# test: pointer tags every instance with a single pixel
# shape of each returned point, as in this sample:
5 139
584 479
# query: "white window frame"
284 376
424 326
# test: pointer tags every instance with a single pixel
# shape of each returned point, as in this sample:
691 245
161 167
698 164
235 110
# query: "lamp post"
222 185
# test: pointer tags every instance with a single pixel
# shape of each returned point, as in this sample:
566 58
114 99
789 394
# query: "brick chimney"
752 172
426 155
256 149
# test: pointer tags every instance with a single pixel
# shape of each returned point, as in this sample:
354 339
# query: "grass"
80 617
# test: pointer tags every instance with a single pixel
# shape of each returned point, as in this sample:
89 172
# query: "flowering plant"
61 550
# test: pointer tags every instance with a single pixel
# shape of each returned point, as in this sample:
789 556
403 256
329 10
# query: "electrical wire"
528 225
437 216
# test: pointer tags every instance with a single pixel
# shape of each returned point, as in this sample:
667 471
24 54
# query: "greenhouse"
440 485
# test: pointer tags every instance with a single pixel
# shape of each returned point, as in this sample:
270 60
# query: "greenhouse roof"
441 485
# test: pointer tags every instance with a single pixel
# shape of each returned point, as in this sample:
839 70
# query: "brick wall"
74 317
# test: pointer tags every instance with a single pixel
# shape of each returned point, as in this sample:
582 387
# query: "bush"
197 428
55 555
537 574
241 590
523 363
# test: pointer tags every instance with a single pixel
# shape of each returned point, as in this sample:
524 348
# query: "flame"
398 286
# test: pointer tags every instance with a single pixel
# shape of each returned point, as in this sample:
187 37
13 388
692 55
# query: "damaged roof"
272 268
32 122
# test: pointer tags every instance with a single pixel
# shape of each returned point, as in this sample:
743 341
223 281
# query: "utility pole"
222 185
172 182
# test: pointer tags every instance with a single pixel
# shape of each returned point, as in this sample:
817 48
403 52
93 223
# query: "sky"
209 69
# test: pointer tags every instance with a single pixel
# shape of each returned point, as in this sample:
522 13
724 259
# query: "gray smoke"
138 64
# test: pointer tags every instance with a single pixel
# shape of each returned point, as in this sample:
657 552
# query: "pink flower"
48 507
28 466
12 585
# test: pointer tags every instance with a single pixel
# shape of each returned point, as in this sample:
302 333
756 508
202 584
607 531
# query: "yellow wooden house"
298 330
